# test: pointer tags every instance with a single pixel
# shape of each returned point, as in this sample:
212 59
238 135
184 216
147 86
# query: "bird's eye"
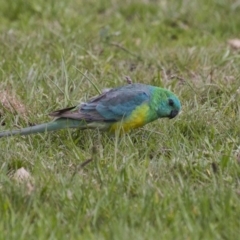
171 102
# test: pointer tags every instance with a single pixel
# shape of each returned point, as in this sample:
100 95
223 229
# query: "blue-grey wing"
112 105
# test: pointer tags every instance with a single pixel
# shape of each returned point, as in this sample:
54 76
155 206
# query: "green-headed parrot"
125 108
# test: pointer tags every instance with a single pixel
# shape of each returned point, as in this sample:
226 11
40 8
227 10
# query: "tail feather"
46 127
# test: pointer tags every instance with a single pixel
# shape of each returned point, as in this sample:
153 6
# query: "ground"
172 179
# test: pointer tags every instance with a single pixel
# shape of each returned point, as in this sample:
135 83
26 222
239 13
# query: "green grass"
175 179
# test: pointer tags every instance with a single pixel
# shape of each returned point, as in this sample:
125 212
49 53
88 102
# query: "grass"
175 179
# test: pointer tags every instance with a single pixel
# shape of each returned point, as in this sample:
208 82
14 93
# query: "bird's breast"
136 119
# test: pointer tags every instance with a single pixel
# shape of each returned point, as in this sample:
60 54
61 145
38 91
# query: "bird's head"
169 105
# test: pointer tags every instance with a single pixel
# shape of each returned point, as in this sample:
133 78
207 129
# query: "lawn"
172 179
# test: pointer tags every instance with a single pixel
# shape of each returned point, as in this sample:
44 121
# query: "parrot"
126 107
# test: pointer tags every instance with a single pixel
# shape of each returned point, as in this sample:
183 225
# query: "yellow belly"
135 120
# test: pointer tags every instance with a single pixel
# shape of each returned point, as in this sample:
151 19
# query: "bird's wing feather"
61 111
121 105
110 106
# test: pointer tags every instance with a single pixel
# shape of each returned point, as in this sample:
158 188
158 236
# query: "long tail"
60 123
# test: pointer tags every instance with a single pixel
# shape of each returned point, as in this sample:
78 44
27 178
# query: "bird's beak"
173 114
